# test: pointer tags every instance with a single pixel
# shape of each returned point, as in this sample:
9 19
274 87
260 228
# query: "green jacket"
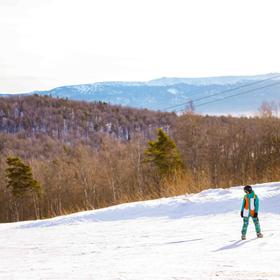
250 204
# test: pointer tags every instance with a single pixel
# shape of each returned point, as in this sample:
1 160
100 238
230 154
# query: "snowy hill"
194 236
161 94
223 80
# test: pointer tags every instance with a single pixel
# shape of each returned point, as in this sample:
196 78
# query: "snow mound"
208 202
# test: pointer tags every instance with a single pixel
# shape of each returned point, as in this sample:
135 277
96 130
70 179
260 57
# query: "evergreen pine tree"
163 154
20 178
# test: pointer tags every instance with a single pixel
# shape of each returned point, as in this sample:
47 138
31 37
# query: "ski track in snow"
195 236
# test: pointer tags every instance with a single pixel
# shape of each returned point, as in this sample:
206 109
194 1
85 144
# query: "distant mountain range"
236 95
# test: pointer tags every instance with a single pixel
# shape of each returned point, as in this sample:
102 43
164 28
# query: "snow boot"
243 237
259 235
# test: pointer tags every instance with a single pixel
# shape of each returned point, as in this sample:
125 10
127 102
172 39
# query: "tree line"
67 120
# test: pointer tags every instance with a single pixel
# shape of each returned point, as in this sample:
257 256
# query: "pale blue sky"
48 43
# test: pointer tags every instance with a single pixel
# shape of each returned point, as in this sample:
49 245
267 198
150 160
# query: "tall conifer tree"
163 154
20 178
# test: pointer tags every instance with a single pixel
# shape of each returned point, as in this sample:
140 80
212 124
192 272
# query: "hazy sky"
48 43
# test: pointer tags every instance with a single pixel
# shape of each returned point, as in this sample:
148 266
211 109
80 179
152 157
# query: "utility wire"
222 92
233 95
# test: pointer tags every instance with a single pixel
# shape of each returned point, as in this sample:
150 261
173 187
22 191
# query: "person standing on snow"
250 208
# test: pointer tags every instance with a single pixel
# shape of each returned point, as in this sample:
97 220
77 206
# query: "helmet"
248 189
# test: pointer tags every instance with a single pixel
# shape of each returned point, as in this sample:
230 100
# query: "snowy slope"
194 236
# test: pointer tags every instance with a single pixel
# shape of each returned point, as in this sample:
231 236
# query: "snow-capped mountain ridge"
165 92
221 80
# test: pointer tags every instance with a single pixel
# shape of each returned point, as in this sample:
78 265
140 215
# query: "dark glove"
241 214
255 215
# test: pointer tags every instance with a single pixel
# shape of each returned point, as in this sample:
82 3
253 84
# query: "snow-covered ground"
195 236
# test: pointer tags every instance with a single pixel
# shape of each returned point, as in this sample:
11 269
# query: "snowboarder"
250 208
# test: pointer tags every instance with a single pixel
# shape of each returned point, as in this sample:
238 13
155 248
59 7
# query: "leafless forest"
91 155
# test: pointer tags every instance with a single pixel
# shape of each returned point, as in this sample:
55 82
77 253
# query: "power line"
222 92
233 95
